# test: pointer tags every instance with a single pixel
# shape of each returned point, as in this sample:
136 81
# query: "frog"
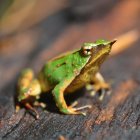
64 74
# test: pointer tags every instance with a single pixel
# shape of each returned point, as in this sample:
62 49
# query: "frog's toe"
82 107
102 89
73 104
102 93
39 104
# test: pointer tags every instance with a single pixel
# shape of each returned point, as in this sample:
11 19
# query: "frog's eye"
87 50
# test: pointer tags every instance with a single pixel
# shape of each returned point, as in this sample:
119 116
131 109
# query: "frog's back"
57 70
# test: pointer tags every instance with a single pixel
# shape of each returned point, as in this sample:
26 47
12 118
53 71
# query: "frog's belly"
78 82
82 79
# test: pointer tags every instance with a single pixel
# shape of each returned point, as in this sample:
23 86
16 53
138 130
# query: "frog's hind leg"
28 85
58 94
28 88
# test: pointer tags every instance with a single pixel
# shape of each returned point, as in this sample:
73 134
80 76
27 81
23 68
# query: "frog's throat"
98 60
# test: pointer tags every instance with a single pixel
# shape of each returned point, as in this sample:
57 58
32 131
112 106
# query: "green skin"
65 74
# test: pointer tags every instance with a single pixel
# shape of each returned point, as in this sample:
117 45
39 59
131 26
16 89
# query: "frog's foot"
39 104
72 110
80 108
99 85
28 106
102 89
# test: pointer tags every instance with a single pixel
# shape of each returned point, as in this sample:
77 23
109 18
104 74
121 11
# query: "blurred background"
34 31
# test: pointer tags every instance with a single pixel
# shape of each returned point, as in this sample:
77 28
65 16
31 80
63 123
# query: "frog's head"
97 50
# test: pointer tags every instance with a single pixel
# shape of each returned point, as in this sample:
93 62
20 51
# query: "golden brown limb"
28 106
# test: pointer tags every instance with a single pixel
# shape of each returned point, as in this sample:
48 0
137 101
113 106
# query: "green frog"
66 74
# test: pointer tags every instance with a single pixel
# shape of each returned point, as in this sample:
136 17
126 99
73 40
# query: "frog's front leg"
58 94
99 84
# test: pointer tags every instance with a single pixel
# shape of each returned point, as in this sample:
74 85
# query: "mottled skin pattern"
65 74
